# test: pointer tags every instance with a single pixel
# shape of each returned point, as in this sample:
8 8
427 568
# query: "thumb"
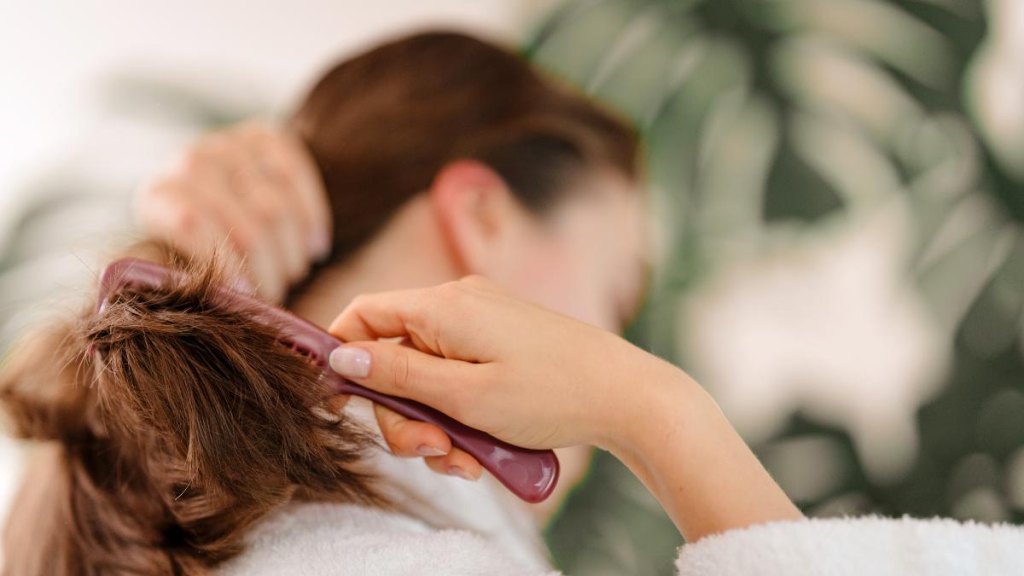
398 370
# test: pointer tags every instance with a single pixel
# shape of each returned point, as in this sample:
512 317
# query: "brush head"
296 333
529 474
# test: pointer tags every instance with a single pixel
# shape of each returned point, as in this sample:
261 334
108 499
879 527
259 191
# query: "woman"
440 157
540 379
434 156
524 374
420 161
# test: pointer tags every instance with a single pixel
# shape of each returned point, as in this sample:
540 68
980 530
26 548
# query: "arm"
541 380
677 441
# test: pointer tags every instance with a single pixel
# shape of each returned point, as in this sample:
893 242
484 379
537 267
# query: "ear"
477 214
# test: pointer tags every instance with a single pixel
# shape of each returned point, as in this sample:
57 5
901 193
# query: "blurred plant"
838 186
839 208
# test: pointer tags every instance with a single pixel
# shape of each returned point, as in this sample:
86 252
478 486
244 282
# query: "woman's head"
529 182
188 423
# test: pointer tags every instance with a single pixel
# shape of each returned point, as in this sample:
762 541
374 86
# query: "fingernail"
456 471
350 361
427 450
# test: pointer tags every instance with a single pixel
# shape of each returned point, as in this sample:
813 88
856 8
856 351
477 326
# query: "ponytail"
170 426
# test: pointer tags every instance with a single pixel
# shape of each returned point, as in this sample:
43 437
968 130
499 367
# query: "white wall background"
56 54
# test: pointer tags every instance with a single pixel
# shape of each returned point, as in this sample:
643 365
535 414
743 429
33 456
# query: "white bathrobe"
321 540
454 527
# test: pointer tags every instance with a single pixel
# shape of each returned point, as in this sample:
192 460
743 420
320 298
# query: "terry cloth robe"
453 527
342 540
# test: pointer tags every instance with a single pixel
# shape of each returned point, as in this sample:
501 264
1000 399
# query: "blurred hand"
252 193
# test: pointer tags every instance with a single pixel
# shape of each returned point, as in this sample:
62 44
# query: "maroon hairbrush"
529 474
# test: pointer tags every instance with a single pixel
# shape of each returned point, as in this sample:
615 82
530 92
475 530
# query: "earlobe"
472 205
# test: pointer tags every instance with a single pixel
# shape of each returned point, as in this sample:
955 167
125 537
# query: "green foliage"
790 118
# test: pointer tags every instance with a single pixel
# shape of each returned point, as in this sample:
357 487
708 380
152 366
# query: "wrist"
675 439
650 401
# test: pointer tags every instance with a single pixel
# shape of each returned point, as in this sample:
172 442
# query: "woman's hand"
253 194
517 371
541 380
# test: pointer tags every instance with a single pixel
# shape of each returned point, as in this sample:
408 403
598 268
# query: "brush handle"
529 474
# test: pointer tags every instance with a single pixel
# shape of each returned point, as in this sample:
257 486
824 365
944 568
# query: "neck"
410 252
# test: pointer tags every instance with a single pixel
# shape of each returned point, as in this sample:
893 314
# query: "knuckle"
358 302
401 375
447 297
475 282
448 291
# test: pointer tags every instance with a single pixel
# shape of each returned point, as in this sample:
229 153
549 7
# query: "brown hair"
175 425
382 124
190 422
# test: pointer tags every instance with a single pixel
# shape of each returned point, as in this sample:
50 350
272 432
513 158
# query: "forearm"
676 440
544 380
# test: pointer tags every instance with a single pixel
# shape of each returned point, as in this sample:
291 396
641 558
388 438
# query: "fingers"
380 315
273 174
256 200
411 314
452 320
254 193
397 370
410 438
255 190
168 211
456 463
205 184
292 161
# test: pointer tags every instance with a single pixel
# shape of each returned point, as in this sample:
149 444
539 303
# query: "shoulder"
870 545
346 540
